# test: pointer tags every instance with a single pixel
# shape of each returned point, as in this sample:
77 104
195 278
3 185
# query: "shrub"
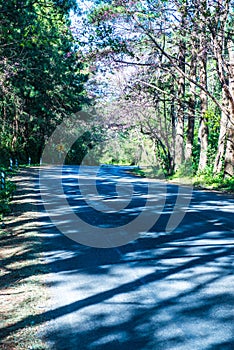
5 197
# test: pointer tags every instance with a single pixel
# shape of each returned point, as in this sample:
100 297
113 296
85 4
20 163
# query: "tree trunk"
15 132
203 129
179 137
191 113
218 165
229 154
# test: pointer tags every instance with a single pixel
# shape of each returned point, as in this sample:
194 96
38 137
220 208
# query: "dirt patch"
23 294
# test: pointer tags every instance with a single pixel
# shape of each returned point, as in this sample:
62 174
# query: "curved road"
167 289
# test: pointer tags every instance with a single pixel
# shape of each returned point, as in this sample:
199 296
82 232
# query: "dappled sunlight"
161 291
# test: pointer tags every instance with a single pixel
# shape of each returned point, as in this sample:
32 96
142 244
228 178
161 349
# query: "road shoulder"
23 293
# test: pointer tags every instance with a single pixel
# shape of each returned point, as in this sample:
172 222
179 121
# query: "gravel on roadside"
23 294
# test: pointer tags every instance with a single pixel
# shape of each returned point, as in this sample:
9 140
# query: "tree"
222 44
42 80
183 38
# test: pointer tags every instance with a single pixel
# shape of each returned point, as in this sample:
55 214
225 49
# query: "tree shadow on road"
163 291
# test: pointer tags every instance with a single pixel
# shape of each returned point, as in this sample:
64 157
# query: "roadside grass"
214 182
23 293
150 172
203 180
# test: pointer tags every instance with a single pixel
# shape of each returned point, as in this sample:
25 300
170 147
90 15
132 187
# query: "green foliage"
5 197
206 179
41 78
80 148
213 120
173 72
8 191
186 170
152 172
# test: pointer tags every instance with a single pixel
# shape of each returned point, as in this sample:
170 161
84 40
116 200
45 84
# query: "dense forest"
172 67
157 75
41 79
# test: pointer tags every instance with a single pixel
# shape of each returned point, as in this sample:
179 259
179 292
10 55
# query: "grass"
214 182
203 180
150 172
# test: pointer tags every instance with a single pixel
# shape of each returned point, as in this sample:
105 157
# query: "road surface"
164 290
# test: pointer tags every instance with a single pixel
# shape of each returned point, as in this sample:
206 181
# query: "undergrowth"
207 179
6 196
186 174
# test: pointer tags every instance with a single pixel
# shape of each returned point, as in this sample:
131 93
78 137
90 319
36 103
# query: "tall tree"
191 105
162 35
42 80
222 45
179 137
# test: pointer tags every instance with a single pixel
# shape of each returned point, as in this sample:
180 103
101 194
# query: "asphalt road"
171 287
